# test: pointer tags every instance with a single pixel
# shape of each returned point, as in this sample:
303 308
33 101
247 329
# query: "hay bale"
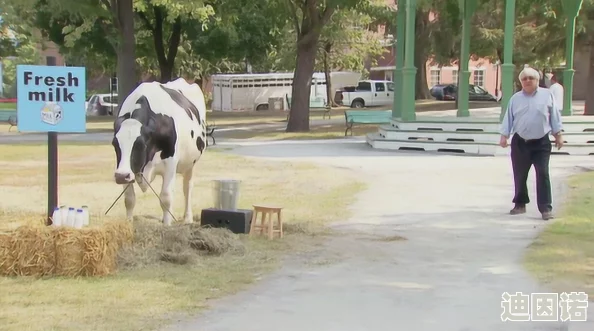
27 251
62 251
69 251
120 233
6 259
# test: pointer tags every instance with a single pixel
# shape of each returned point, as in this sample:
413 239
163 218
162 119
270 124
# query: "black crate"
237 221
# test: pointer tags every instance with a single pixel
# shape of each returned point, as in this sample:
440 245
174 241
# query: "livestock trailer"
246 92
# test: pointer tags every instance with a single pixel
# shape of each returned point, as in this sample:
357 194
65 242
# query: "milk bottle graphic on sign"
51 113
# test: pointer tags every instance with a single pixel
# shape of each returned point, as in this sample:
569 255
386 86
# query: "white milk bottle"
64 211
71 217
78 220
85 210
57 217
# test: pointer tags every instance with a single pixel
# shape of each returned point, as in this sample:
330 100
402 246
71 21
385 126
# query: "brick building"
482 72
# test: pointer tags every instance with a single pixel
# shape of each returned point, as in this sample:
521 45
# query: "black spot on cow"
200 144
183 102
156 135
192 133
118 151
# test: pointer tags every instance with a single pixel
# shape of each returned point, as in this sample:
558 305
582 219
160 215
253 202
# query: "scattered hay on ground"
34 249
309 229
179 243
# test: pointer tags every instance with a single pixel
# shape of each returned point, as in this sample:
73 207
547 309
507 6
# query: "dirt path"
461 250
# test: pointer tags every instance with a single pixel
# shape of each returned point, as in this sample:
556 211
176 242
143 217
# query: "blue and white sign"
51 99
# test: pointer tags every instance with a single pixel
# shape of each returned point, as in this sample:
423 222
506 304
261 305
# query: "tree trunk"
421 85
126 52
329 94
589 107
166 60
422 42
300 93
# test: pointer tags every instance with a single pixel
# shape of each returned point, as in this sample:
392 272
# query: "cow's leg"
129 201
167 191
188 185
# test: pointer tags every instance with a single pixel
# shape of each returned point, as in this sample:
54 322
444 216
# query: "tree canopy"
169 38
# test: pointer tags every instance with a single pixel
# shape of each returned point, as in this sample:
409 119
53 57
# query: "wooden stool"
266 225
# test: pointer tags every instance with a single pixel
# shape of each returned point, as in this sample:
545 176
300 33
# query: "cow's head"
133 143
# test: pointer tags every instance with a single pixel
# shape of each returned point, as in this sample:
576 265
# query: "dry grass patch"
563 254
169 272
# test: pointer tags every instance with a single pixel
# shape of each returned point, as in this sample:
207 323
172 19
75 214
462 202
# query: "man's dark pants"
524 154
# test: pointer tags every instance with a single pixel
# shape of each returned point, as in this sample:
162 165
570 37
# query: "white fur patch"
161 103
127 134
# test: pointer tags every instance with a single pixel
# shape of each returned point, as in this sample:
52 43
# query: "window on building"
455 76
479 77
435 77
50 60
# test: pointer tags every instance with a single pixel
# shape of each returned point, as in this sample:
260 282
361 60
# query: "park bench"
210 129
12 121
326 110
352 117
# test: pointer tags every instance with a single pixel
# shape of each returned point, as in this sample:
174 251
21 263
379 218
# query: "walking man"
531 114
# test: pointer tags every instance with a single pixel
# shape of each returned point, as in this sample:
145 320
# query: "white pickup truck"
367 93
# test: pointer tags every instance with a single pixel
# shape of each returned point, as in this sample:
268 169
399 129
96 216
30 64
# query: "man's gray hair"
529 72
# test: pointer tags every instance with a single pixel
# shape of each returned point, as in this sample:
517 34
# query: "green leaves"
351 39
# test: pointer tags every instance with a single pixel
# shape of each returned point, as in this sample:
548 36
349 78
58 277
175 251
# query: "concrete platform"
477 134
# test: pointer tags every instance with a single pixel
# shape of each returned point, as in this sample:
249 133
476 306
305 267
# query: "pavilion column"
467 8
409 70
399 54
507 68
571 9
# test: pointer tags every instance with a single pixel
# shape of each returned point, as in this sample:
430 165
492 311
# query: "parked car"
102 104
449 92
367 93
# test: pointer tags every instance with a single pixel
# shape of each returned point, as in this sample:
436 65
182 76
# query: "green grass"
563 254
7 105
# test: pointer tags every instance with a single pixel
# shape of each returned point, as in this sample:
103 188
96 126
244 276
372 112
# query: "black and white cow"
160 130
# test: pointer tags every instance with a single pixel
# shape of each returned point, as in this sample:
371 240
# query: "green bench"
352 117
